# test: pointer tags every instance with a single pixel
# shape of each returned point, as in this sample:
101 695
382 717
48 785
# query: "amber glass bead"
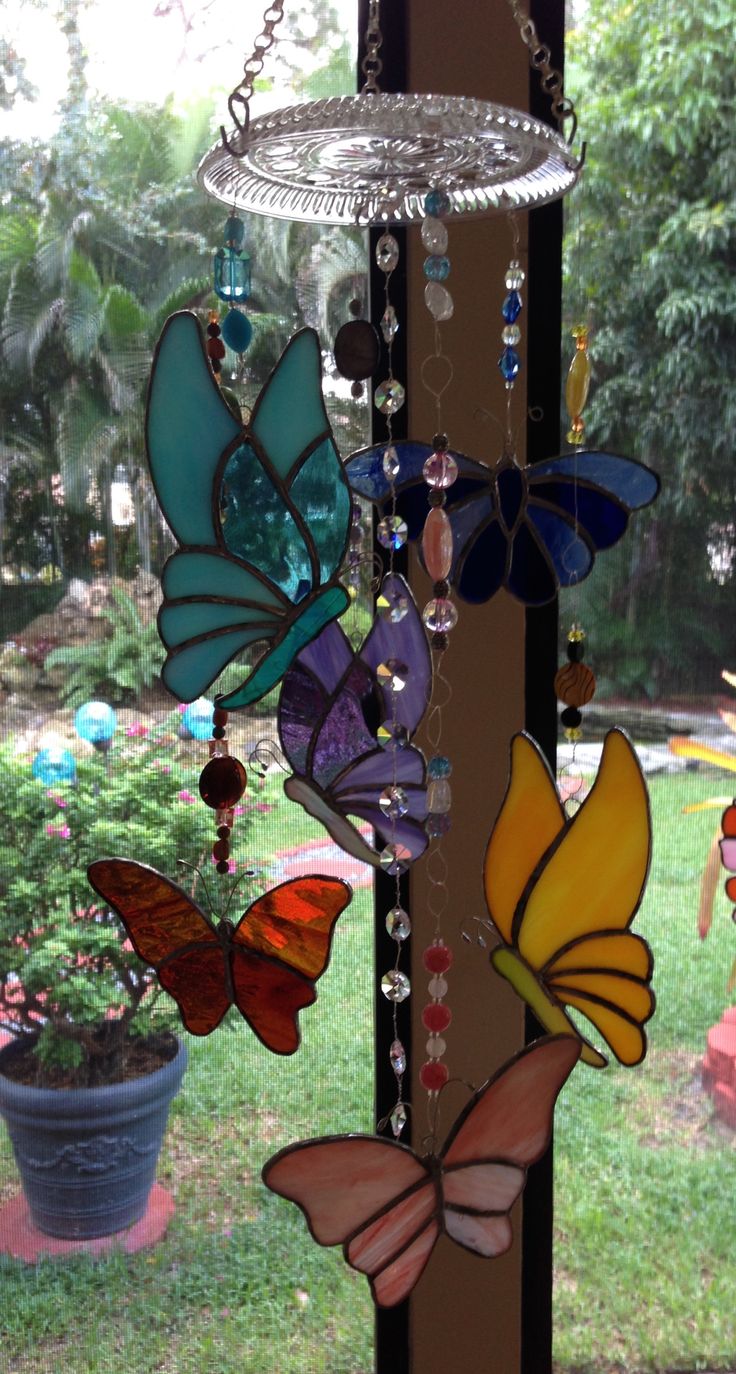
221 849
222 782
219 716
215 348
223 866
574 684
223 832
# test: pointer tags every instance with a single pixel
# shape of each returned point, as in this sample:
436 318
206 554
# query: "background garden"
102 233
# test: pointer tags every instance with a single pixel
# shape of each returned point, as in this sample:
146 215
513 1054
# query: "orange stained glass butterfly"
266 965
562 894
387 1206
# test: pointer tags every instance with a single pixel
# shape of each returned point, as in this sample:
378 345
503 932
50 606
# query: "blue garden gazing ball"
96 722
53 765
197 718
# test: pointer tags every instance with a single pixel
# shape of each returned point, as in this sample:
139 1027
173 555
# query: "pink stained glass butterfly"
387 1206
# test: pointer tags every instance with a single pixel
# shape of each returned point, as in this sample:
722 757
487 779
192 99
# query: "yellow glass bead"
575 633
573 733
578 383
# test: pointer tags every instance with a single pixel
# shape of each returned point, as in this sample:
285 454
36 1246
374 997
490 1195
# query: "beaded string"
222 783
509 363
392 534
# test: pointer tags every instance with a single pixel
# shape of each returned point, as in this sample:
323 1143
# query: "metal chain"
540 58
252 68
372 66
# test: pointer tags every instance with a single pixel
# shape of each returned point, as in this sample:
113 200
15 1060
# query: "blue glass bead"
439 767
436 268
232 275
234 232
509 364
511 308
437 203
237 331
54 765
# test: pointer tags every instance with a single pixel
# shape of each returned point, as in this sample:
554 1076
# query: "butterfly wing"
371 1195
340 770
505 1127
278 951
262 523
567 938
171 933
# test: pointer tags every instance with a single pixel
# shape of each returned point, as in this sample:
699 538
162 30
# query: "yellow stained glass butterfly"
563 892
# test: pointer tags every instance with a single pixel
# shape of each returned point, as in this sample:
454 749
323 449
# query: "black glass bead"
355 307
439 640
223 832
576 650
441 588
223 866
357 350
439 442
218 732
213 330
437 498
571 718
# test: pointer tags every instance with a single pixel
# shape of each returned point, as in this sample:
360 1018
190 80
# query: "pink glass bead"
437 958
436 1017
433 1075
728 853
440 470
437 544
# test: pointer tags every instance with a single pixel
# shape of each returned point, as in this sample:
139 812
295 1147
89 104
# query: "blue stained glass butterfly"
261 514
529 529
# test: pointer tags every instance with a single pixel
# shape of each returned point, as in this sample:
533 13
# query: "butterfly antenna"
263 754
477 936
196 870
247 873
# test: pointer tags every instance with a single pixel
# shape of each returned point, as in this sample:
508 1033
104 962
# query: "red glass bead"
433 1075
222 782
215 348
221 849
436 1017
223 832
437 958
731 889
223 866
219 716
728 822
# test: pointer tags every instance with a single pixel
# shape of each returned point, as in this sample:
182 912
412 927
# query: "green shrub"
116 668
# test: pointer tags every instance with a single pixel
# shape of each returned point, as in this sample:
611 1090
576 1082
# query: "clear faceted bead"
439 796
398 924
394 802
515 276
389 324
398 1119
392 674
389 396
438 301
397 1055
440 470
436 1047
395 985
391 463
437 825
392 605
440 614
434 234
395 858
391 733
510 335
438 987
387 252
392 532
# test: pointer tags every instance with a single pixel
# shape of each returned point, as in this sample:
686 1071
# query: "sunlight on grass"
645 1177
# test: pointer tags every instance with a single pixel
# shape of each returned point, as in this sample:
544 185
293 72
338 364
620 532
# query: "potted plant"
87 1078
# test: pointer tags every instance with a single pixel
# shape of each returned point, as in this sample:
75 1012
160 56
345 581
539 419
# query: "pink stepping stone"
719 1067
23 1241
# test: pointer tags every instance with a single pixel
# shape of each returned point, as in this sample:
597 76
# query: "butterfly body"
387 1206
563 893
528 529
266 964
261 514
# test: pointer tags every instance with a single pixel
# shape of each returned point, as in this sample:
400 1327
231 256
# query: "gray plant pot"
87 1156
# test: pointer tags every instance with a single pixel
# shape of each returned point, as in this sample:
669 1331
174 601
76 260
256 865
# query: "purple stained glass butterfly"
336 707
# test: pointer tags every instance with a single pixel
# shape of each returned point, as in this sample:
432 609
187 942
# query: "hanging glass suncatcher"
267 523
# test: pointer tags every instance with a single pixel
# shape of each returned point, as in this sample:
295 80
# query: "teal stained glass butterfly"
261 514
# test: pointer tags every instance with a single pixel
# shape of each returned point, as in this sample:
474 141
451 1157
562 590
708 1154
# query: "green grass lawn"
645 1194
238 1286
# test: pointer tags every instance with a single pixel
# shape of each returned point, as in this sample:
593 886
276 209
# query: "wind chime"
259 562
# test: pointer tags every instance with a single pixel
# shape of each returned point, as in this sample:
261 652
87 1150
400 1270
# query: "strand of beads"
232 284
222 783
436 265
394 803
574 684
728 851
509 363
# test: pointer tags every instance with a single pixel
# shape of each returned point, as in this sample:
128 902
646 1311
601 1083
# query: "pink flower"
181 708
137 729
185 796
263 807
61 832
58 801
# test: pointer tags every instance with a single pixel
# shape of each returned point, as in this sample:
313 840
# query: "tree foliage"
650 255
